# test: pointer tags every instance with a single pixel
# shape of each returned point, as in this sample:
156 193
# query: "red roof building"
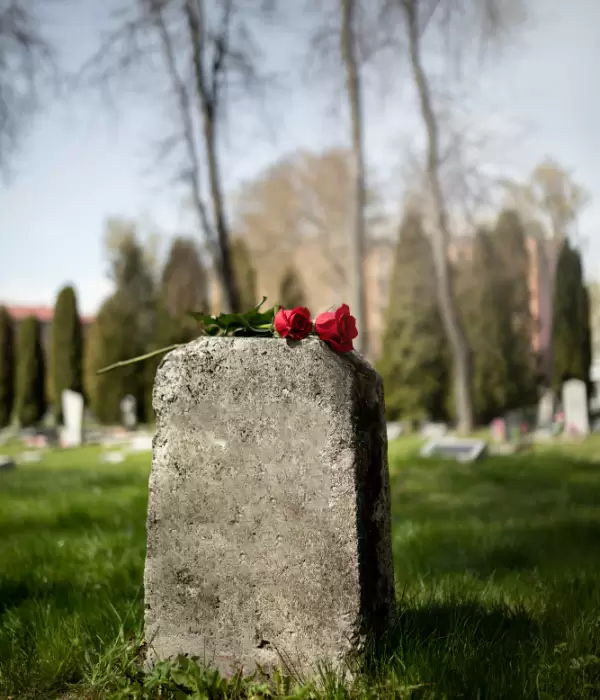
44 314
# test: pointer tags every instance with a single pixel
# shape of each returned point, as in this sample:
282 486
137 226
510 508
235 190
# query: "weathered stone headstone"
72 406
575 405
129 411
269 532
545 413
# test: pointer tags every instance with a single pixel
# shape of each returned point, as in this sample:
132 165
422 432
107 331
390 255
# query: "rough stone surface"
269 537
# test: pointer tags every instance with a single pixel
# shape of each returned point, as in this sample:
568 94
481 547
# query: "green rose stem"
140 358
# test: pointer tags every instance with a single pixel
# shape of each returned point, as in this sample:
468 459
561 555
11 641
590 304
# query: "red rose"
294 324
337 329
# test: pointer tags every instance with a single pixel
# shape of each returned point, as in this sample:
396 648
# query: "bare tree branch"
207 57
27 63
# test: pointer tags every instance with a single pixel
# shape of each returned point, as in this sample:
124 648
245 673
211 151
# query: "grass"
497 575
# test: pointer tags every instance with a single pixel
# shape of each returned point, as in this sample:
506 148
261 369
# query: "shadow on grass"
464 649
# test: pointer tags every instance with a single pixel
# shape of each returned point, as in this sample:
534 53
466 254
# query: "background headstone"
269 515
30 456
434 431
6 463
129 411
72 405
498 429
141 443
513 422
394 430
575 406
114 457
546 406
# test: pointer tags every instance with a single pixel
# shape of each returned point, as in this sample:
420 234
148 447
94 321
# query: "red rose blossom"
337 329
294 324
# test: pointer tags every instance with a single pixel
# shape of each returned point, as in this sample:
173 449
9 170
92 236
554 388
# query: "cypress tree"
30 385
513 302
571 324
66 348
414 363
291 291
170 330
586 339
7 367
183 288
184 281
487 318
245 274
112 338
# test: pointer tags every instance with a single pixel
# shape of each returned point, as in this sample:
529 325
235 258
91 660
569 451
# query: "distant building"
44 315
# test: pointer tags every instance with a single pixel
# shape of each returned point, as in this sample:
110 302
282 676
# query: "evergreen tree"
494 302
586 341
245 274
7 367
487 319
183 288
414 362
291 291
513 266
66 348
184 280
112 338
571 334
132 271
30 385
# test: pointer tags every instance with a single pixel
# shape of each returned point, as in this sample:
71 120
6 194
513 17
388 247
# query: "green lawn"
497 572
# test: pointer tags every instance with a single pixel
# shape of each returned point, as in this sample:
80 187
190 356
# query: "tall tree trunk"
207 93
440 237
357 239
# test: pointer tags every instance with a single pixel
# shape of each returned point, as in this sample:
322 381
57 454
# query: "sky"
81 163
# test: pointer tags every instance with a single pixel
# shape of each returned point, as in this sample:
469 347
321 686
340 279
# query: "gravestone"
141 443
461 449
30 456
433 431
114 457
575 406
72 406
498 429
269 527
7 463
513 422
394 430
129 411
545 413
